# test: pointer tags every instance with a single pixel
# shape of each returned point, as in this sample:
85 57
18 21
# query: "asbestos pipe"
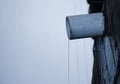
83 26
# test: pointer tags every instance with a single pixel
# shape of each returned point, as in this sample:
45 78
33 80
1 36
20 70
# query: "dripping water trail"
68 62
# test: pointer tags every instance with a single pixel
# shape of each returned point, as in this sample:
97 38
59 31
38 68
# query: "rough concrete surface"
106 48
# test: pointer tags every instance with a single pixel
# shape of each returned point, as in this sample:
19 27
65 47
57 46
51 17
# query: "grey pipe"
83 26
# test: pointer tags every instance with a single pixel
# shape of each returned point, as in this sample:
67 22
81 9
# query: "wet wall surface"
106 48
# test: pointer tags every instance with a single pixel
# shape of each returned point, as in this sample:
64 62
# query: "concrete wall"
106 49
